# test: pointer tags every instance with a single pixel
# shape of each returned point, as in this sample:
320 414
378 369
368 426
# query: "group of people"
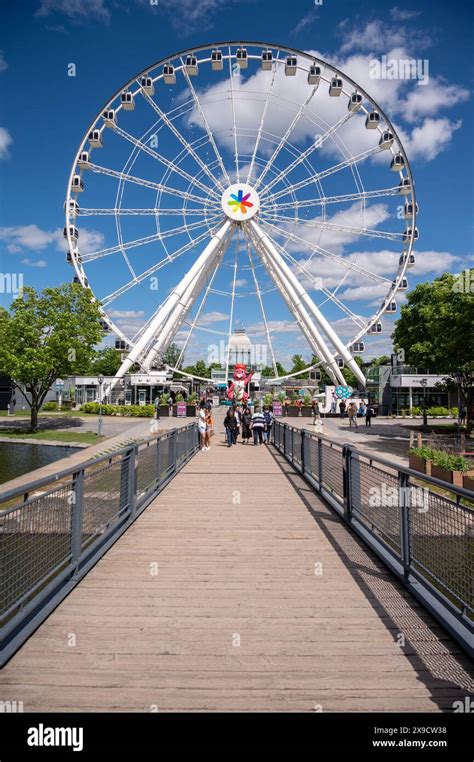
242 421
353 411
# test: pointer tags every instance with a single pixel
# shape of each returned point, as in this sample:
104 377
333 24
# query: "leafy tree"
48 335
298 363
435 331
171 356
106 361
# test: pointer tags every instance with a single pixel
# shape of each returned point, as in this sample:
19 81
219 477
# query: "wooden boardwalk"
238 589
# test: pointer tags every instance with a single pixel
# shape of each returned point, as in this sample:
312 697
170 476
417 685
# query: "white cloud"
128 314
378 36
274 326
212 317
34 262
34 238
5 141
3 63
400 14
75 10
430 98
430 138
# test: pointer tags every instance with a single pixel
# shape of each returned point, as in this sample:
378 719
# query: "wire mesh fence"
422 528
52 529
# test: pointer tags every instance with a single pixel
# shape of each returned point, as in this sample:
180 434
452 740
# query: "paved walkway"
238 589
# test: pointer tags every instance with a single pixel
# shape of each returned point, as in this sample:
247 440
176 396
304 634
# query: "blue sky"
45 114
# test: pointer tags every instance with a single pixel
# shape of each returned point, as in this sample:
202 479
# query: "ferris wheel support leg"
163 312
306 323
289 276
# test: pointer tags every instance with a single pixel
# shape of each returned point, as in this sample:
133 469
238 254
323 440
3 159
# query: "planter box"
191 411
164 411
418 464
468 481
293 412
451 477
306 412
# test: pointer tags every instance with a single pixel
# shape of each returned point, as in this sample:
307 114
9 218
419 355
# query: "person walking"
230 425
246 419
352 413
209 427
157 407
258 426
268 415
368 417
462 415
333 403
342 409
202 425
315 411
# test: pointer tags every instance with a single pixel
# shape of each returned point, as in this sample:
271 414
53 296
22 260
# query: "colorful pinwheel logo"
240 202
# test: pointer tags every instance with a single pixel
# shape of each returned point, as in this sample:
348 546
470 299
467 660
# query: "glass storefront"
401 399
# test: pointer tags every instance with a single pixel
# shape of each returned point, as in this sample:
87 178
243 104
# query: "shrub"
50 406
416 410
450 462
192 399
133 411
165 398
179 398
438 411
424 452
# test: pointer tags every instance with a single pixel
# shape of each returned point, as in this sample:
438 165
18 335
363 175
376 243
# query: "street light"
100 379
424 384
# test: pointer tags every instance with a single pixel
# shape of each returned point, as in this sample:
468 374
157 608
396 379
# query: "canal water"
17 458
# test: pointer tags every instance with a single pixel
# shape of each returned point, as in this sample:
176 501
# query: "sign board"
415 381
215 401
59 385
277 408
181 409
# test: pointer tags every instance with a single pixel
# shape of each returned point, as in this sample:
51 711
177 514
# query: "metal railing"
54 529
421 528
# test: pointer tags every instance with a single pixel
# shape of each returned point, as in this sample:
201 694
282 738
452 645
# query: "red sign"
181 409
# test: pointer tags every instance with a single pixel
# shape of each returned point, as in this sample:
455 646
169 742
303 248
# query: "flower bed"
132 411
443 466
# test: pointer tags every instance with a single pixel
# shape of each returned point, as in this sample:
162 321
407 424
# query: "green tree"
349 376
435 331
171 356
298 363
48 335
106 361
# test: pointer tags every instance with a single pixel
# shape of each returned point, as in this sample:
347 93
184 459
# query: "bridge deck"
236 617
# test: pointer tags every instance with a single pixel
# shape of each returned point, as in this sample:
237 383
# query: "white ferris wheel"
242 183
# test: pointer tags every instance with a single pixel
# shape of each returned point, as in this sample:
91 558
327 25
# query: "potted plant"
164 404
468 480
306 406
191 404
420 459
449 468
268 399
293 409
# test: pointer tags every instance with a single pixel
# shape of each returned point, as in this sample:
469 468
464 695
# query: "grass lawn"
43 414
86 437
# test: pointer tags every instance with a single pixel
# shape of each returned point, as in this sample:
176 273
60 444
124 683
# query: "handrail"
408 537
62 532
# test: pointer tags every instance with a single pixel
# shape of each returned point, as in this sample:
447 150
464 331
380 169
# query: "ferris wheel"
242 184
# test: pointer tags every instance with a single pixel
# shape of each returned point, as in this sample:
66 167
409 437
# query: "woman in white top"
202 426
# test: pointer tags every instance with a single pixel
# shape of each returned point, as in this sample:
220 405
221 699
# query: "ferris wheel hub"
240 202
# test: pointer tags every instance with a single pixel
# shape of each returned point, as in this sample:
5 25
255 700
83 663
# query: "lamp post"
100 379
424 384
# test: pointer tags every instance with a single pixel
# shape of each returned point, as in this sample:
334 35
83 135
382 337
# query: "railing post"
172 450
284 439
292 445
303 440
404 498
132 465
320 462
346 479
77 512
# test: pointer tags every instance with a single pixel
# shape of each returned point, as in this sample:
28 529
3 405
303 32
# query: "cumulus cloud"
34 262
212 317
32 237
5 142
430 138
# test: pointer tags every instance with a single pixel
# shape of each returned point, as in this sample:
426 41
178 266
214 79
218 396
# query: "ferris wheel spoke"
352 161
171 165
231 316
260 300
144 241
111 212
315 249
198 313
285 137
310 150
106 300
205 122
360 196
189 149
330 226
234 124
146 183
262 119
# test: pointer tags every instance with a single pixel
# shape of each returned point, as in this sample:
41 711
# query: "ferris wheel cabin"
375 328
291 66
217 62
126 99
355 102
391 307
147 85
372 120
77 185
73 233
109 118
403 259
357 348
242 58
95 139
404 186
267 60
397 163
386 139
191 66
314 74
169 76
335 87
